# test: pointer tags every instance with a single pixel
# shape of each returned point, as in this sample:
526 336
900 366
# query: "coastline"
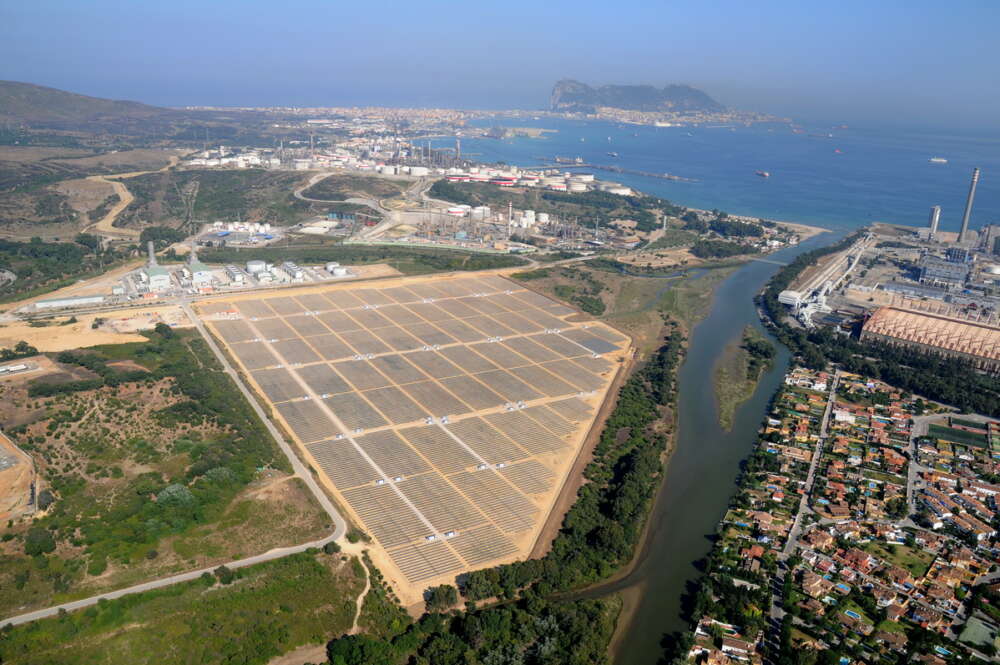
804 231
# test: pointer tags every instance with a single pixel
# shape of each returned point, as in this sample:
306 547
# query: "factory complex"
444 414
920 288
192 278
971 340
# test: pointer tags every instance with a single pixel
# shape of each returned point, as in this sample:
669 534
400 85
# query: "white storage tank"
256 266
331 266
340 272
418 171
577 187
543 218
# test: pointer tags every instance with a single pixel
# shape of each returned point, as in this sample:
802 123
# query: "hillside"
570 95
40 116
40 106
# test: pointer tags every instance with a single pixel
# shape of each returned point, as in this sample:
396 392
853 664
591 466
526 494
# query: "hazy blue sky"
922 62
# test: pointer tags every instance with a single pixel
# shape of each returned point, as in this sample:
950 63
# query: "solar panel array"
437 410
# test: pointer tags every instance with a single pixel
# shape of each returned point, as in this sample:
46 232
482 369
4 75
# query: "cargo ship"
938 160
763 174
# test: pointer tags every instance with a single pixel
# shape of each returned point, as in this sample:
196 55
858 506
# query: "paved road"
340 525
793 533
162 582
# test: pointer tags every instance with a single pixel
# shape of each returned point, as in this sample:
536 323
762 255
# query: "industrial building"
974 341
935 271
61 303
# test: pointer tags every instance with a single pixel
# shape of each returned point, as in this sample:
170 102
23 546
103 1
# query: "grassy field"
732 387
344 186
916 561
251 195
957 436
151 463
262 612
737 372
635 305
407 260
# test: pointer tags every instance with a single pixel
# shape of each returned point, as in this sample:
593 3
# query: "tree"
45 499
441 598
38 541
224 574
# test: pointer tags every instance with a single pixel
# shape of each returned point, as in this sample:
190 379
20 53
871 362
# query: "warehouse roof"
944 332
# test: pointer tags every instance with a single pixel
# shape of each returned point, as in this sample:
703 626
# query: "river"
701 472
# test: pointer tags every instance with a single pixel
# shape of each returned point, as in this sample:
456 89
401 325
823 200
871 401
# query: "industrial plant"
924 289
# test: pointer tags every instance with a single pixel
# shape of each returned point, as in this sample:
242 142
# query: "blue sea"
838 178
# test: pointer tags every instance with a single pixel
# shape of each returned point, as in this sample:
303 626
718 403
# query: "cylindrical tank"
418 171
256 266
577 187
331 266
543 218
340 272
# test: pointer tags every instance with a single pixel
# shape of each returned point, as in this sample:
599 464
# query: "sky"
914 62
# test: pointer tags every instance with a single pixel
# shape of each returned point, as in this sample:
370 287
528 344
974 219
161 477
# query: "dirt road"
106 225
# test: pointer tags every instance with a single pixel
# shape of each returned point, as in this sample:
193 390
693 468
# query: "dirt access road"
106 225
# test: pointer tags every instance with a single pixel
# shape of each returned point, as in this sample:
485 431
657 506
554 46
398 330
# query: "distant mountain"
38 106
570 95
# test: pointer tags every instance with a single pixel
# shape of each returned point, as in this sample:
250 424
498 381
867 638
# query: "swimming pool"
852 614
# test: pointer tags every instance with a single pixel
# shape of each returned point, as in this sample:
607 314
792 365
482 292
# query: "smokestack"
152 254
934 219
968 206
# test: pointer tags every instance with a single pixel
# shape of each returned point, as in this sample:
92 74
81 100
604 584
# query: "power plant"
962 236
934 220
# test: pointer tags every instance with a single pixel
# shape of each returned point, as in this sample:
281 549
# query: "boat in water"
937 160
763 174
613 154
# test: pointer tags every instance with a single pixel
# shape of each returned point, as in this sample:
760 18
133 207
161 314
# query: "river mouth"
701 472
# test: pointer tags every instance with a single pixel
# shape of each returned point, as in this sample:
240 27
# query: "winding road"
106 225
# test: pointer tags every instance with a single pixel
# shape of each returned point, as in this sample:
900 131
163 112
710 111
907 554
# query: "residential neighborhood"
864 531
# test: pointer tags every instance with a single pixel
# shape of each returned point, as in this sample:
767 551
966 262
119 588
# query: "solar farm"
444 414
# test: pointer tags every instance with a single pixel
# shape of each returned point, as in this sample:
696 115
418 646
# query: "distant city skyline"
913 63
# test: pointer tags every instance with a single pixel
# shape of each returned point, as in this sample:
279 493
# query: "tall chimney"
152 254
933 222
968 206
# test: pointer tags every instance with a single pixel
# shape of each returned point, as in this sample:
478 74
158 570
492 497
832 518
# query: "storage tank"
543 218
577 187
418 171
340 272
256 266
331 266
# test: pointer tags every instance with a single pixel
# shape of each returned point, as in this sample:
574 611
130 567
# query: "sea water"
839 178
